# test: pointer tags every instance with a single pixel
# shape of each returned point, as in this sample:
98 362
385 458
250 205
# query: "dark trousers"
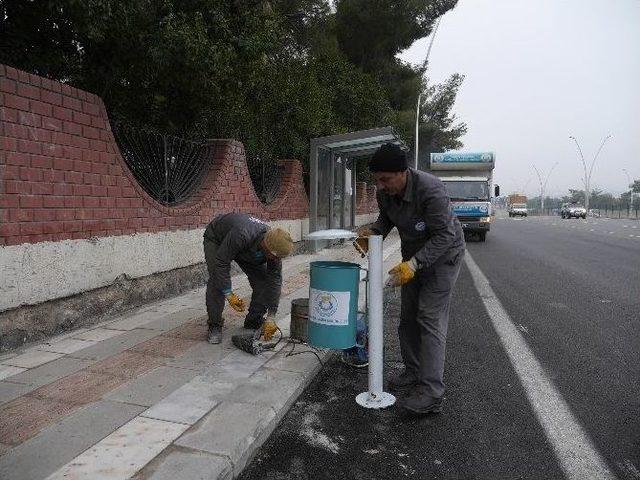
424 319
215 300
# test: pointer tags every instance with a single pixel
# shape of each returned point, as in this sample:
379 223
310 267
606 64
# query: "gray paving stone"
123 453
50 372
115 345
66 345
166 322
235 368
243 360
7 356
200 357
275 388
55 446
303 360
189 403
31 358
98 334
7 371
188 465
232 430
10 391
171 307
132 321
152 387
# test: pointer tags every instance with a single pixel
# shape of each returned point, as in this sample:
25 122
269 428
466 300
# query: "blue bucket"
333 304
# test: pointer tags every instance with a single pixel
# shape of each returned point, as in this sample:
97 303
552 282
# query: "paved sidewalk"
145 396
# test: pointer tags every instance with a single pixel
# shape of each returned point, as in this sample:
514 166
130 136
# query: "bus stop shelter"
332 175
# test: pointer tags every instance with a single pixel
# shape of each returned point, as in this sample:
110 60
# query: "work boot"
420 402
215 335
253 321
403 382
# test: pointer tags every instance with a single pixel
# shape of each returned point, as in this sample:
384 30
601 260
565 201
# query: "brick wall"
62 176
366 201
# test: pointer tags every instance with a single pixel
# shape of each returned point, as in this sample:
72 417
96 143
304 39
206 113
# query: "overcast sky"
538 71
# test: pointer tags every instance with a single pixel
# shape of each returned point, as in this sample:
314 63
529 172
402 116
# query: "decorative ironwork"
266 177
169 168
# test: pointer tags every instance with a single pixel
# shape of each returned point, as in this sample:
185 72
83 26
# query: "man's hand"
402 273
362 242
236 302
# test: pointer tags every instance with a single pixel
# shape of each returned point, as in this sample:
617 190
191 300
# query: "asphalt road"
571 289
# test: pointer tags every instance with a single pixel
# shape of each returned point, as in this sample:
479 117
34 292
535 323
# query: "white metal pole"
375 397
415 162
376 340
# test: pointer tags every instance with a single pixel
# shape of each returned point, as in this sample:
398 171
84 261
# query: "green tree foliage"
270 73
635 186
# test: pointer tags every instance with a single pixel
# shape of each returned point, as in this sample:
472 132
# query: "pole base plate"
375 400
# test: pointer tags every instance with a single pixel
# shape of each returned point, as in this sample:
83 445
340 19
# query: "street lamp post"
425 65
587 173
630 184
543 185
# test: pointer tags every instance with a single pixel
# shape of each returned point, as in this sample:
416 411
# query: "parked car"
573 210
594 212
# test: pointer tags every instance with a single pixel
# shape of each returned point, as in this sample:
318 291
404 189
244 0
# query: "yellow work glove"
269 328
402 273
362 242
236 302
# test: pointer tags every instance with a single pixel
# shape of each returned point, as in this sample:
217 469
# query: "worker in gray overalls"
258 250
432 245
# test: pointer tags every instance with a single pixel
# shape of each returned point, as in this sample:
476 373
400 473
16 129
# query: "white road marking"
573 447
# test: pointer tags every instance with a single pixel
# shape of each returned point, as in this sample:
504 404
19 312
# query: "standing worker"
258 250
432 245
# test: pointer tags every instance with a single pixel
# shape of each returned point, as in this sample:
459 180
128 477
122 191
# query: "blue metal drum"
333 304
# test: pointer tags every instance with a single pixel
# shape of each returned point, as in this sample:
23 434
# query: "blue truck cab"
468 178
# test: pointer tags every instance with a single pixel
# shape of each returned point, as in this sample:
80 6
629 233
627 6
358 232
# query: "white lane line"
573 447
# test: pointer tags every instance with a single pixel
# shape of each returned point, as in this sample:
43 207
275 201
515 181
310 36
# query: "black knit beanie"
388 158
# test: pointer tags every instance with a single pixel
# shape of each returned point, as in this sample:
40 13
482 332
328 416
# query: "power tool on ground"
261 340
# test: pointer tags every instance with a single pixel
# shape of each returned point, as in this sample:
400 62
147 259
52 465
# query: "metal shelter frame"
345 146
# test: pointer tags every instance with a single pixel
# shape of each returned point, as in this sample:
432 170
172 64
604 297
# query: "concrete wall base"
37 322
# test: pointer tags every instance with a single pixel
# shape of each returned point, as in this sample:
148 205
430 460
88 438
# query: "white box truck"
517 205
468 178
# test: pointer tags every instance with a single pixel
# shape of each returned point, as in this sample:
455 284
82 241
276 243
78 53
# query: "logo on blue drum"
326 305
421 226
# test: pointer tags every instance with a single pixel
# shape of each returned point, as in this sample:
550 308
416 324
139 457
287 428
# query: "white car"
573 210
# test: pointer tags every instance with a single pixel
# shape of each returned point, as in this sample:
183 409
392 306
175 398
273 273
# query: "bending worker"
432 245
258 250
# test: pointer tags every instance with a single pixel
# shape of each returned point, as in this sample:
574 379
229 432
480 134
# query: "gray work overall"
430 233
236 237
